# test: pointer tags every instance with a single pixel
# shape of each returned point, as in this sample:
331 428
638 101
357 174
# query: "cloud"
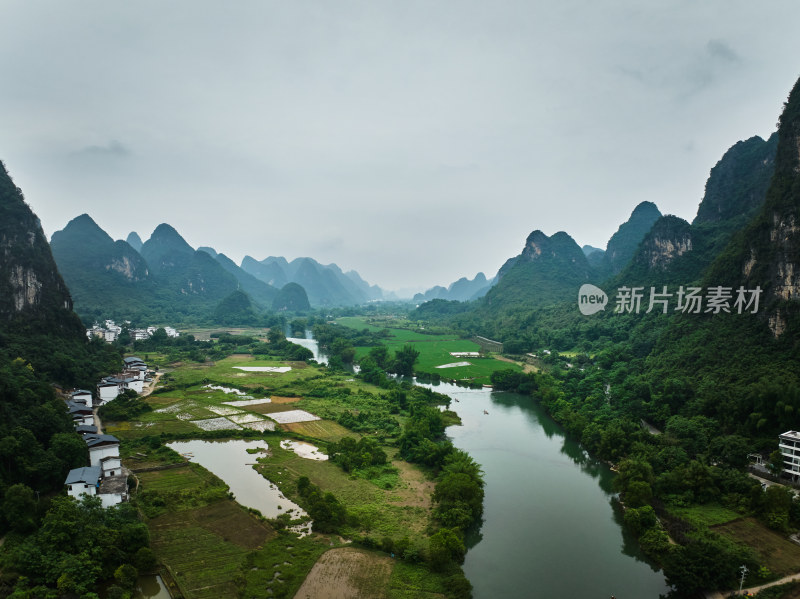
718 49
113 149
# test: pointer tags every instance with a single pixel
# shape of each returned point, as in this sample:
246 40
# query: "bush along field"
363 455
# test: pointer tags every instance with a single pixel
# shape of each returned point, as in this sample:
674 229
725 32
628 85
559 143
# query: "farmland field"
435 350
779 554
402 510
348 572
215 548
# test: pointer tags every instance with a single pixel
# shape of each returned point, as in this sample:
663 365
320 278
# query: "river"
310 343
551 527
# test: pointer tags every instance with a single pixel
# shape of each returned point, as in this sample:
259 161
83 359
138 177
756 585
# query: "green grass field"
704 516
396 512
434 351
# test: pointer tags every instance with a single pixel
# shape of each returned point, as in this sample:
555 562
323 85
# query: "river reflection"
310 343
551 525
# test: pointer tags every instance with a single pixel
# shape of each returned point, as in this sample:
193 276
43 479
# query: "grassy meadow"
434 350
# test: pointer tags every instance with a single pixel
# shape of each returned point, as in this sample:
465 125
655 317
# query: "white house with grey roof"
101 446
83 481
81 396
91 480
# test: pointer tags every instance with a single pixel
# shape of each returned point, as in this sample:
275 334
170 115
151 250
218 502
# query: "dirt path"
754 590
152 386
785 579
97 422
526 368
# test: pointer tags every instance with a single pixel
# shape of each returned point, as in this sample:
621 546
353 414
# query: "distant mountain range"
648 249
462 290
165 279
326 285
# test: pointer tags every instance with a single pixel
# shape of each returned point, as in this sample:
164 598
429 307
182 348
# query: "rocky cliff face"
767 252
669 238
32 293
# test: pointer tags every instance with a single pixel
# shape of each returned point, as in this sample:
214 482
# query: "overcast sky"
415 142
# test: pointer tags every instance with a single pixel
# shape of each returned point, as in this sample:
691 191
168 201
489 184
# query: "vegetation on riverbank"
387 504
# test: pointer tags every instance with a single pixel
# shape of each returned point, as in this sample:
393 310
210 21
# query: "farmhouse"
110 332
81 396
80 413
83 481
91 480
101 446
108 389
86 429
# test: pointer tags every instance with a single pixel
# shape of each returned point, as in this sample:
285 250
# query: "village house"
110 332
81 414
91 480
83 481
105 477
108 389
101 446
86 429
81 396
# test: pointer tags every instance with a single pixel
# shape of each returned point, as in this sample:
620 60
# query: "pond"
231 462
151 587
552 527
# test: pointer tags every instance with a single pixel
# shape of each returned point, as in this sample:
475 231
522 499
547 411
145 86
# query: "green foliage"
326 511
78 544
459 491
707 562
351 454
126 406
236 308
446 547
404 360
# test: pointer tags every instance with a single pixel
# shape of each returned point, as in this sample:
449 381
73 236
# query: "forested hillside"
708 357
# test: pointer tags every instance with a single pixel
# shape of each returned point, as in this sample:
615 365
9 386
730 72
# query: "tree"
380 354
126 576
404 360
446 547
730 451
19 508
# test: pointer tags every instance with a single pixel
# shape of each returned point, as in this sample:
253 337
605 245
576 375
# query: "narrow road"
152 386
784 580
754 590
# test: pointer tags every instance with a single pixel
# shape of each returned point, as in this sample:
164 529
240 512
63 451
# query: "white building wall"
83 398
112 467
106 394
77 489
109 499
98 453
87 419
136 385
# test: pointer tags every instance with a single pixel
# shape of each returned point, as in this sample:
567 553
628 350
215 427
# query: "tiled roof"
89 475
